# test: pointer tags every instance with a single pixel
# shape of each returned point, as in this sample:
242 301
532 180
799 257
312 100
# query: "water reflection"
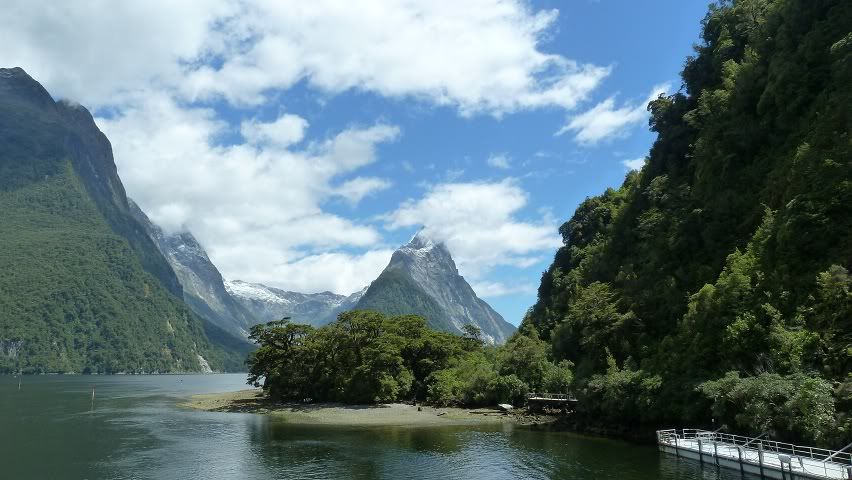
49 429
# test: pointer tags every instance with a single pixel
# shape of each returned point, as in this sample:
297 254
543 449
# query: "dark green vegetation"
394 293
715 282
82 288
366 357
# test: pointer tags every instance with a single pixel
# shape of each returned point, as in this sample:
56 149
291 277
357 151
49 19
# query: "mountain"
83 288
717 277
266 303
422 279
203 287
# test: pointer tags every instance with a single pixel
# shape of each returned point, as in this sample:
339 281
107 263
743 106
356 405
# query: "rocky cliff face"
267 303
203 286
83 289
422 279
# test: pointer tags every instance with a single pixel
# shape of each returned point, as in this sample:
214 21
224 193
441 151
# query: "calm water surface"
134 429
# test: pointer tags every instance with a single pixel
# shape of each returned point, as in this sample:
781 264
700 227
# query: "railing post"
700 453
740 456
716 452
760 458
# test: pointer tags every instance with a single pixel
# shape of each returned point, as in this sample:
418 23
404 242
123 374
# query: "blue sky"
302 144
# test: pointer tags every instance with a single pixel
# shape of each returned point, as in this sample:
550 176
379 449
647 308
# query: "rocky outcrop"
422 279
203 286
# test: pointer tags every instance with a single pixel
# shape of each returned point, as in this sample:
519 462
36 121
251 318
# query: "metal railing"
550 396
833 461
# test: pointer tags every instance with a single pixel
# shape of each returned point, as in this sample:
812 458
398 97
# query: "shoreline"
337 414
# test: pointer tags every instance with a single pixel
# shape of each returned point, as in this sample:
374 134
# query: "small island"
386 414
367 368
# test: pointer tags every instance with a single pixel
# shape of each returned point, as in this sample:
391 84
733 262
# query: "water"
135 429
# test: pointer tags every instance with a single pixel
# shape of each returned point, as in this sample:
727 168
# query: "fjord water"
135 429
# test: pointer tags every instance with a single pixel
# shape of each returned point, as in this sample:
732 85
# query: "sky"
302 142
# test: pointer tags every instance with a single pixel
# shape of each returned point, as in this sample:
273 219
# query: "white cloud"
635 164
95 53
333 271
485 289
480 224
499 160
605 121
286 130
156 67
257 209
356 189
479 56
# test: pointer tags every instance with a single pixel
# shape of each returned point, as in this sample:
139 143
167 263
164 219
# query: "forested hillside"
714 283
82 288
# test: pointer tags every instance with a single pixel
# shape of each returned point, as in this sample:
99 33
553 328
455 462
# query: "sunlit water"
134 429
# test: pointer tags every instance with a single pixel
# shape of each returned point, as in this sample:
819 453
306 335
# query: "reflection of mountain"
422 279
267 303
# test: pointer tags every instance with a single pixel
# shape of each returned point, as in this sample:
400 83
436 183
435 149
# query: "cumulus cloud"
356 189
338 272
486 289
477 56
481 224
257 210
606 121
286 130
157 71
635 164
499 160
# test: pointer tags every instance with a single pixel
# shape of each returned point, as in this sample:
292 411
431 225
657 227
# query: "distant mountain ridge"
269 303
235 306
422 278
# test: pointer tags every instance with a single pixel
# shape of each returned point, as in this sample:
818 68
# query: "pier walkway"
757 456
538 401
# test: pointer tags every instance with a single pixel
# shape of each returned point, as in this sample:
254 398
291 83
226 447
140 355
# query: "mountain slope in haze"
203 286
267 303
422 279
716 279
83 289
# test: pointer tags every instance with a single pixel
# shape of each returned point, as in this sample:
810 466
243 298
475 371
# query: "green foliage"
774 403
730 250
83 289
73 296
620 395
362 357
368 357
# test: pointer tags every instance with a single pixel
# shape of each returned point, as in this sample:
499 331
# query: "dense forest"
366 357
714 284
83 289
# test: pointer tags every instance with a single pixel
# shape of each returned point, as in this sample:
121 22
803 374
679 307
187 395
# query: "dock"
757 455
537 402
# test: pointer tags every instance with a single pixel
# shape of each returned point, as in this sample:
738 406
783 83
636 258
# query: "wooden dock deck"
756 456
538 401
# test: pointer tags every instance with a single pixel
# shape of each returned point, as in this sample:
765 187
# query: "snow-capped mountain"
268 303
422 279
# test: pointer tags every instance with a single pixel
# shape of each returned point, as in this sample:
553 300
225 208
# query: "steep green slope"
82 288
394 293
730 250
